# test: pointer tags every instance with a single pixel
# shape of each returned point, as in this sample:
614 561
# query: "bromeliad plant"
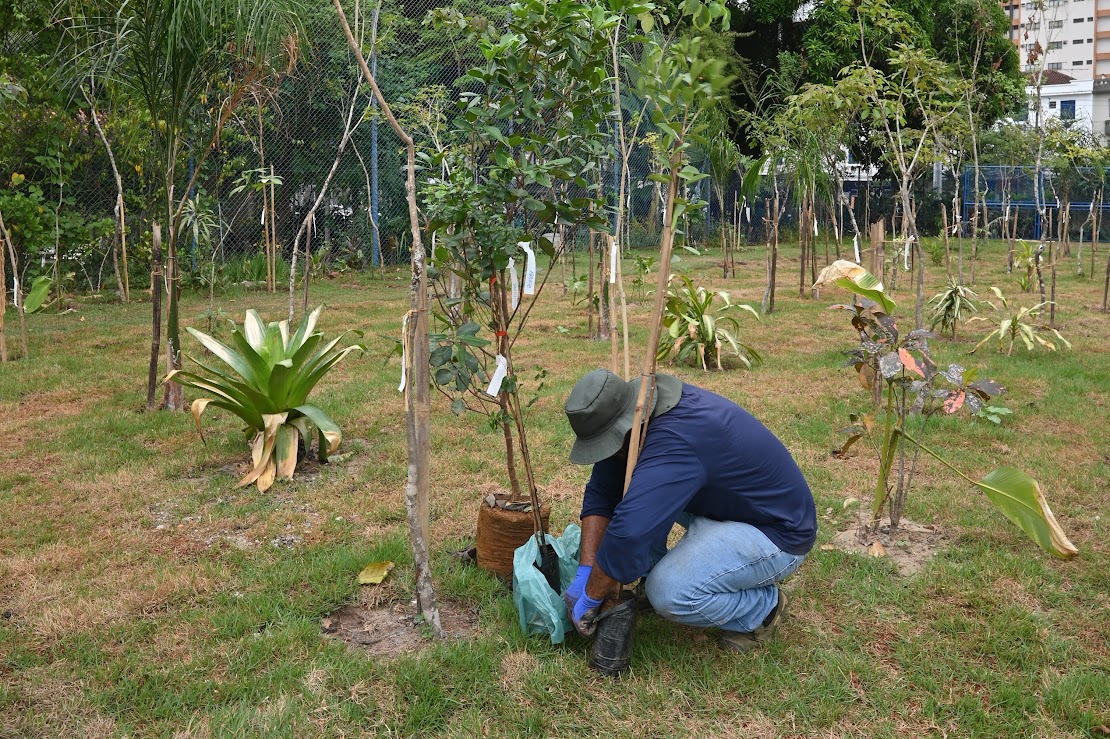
271 373
1019 323
951 306
910 392
698 329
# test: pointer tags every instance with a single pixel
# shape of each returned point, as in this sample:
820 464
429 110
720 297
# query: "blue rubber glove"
579 585
585 613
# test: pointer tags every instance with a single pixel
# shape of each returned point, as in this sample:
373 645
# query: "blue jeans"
720 573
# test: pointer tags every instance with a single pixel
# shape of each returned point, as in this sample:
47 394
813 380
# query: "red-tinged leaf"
910 363
954 402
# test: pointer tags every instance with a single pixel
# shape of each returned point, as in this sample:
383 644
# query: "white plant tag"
906 254
748 213
855 245
404 354
498 376
529 268
815 233
515 281
612 260
836 233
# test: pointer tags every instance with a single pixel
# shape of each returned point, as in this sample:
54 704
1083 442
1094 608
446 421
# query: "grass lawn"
141 595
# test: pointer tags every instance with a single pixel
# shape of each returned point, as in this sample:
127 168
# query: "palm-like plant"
271 374
1019 323
952 306
697 329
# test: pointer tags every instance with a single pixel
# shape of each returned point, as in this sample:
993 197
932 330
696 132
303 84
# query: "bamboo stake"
624 313
275 252
947 251
417 400
611 274
3 301
156 313
647 367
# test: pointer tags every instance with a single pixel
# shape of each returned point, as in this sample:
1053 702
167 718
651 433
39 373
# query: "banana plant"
696 327
915 387
271 373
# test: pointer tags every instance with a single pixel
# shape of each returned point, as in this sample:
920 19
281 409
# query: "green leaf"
855 279
330 435
1020 499
36 296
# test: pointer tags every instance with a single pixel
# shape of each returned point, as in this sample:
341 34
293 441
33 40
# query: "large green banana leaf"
855 279
1020 499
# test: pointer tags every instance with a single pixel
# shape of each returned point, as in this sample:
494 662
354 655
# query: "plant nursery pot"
500 533
611 654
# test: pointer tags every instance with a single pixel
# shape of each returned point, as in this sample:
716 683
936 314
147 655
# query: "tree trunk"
590 289
121 219
3 298
156 313
418 402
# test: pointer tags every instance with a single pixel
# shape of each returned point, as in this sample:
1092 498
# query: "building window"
1052 105
1077 63
1053 45
1067 110
1077 20
1055 65
1055 24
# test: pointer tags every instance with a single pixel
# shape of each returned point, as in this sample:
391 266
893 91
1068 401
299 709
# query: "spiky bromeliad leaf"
1020 499
268 378
855 279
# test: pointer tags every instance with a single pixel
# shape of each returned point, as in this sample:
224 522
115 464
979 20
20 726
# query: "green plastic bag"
540 608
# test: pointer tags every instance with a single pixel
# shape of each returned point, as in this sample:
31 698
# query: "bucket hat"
600 410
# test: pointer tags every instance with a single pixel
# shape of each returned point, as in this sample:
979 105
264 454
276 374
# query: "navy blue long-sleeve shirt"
708 457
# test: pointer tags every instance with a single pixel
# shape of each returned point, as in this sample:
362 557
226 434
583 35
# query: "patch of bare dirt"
910 547
392 630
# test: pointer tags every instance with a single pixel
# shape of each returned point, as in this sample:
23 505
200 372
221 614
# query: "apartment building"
1075 37
1075 34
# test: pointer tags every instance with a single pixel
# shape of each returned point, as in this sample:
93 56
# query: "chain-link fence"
303 158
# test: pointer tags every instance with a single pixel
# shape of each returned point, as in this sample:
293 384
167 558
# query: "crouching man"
709 466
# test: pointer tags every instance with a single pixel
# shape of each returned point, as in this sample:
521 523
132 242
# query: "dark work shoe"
746 641
643 605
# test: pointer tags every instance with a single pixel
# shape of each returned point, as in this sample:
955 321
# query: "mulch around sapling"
393 629
909 549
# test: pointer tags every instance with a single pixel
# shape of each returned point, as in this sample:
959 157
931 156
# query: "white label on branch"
515 281
529 268
612 260
815 234
906 254
404 353
748 213
498 376
836 232
855 245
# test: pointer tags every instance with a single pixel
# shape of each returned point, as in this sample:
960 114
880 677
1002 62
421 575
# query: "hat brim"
668 390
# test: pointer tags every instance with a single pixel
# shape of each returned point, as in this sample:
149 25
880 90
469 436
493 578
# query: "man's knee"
671 595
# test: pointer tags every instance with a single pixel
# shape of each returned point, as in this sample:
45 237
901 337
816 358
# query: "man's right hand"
584 614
